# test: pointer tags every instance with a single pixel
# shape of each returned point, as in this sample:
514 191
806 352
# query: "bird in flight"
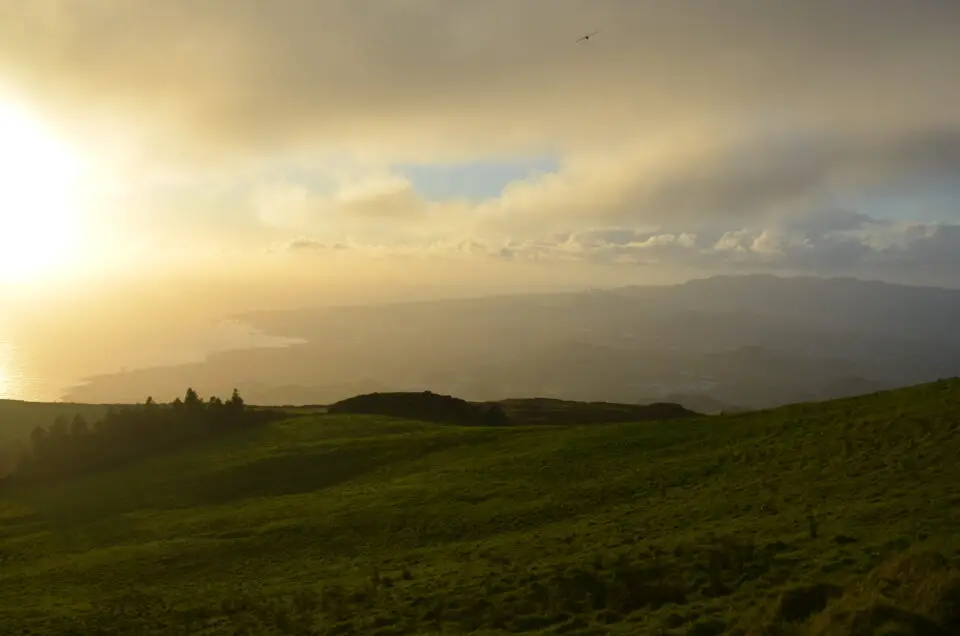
587 36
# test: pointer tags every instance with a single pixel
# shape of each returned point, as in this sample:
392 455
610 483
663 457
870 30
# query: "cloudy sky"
474 141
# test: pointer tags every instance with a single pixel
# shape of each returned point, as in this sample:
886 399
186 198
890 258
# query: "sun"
38 175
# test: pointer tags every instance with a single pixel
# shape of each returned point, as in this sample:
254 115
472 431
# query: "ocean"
38 371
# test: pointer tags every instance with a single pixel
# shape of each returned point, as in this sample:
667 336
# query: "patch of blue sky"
474 181
939 203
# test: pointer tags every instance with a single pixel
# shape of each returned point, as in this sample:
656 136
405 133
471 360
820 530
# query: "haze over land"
710 344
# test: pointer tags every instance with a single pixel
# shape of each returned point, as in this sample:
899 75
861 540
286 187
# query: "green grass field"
328 524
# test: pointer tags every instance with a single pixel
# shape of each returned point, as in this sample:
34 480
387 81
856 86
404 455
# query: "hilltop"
425 406
431 407
824 519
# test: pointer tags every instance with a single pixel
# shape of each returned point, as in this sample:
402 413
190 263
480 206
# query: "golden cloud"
434 80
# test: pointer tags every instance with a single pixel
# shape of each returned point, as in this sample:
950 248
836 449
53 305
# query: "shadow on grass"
297 472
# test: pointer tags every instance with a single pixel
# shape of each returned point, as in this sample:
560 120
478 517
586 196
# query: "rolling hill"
431 407
835 518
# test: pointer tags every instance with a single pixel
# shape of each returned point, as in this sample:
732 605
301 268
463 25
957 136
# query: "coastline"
29 377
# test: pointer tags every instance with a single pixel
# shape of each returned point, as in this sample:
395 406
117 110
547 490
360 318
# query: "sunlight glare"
38 175
6 381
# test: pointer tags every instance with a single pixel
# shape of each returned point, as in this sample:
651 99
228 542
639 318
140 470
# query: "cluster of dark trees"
123 434
426 406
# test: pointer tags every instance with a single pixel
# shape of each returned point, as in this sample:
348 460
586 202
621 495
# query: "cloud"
793 180
432 80
905 252
739 134
381 198
375 207
374 198
307 244
930 247
820 222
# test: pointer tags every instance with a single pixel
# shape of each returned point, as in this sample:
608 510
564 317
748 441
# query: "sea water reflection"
29 370
19 380
10 376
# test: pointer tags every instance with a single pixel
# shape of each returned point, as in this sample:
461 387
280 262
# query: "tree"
495 416
38 440
72 447
60 428
79 425
192 400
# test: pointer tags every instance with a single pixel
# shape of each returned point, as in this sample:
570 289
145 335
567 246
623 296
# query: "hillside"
821 519
529 411
431 407
424 406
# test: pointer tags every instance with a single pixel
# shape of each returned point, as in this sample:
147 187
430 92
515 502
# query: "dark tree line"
74 447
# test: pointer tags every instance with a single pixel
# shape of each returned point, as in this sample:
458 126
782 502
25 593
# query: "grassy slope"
360 524
553 411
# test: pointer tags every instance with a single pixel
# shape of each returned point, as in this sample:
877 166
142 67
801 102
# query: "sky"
265 154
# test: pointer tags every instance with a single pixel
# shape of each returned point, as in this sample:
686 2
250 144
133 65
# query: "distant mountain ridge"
746 341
